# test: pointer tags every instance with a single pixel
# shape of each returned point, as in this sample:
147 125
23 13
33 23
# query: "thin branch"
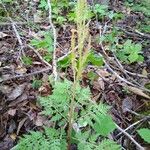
122 79
25 75
64 56
134 32
55 74
126 71
130 137
40 57
132 125
9 23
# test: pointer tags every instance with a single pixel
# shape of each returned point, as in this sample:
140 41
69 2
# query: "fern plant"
75 118
91 126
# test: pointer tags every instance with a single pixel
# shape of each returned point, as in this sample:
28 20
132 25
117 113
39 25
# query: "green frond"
108 145
88 140
50 139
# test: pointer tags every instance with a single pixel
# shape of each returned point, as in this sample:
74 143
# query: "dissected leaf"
95 59
145 134
104 125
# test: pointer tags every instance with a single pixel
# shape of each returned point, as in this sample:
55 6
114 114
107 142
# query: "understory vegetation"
94 91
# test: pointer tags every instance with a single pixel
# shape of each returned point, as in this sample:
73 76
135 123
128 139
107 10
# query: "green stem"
71 114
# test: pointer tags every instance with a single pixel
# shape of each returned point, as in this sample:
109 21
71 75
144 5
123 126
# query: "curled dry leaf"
13 136
103 73
137 91
21 123
16 92
2 35
20 70
40 120
127 104
12 112
5 89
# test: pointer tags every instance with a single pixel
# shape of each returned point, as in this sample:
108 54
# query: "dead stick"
55 41
25 75
130 137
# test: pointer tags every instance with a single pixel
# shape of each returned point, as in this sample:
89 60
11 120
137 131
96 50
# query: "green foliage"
64 63
88 141
130 52
92 75
91 115
36 84
50 139
104 125
142 6
95 59
6 1
27 60
57 104
145 134
45 43
61 10
48 57
43 4
100 10
111 38
108 145
145 28
92 58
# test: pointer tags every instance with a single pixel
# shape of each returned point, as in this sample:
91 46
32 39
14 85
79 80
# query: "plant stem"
71 114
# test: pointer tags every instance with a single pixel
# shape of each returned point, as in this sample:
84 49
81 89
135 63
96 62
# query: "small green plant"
36 83
100 10
59 10
27 60
45 43
130 52
145 134
140 6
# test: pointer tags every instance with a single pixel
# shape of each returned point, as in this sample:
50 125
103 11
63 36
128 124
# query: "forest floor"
26 67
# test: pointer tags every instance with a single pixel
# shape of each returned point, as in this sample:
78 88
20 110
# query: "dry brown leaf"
101 83
21 123
20 70
12 112
103 73
16 92
138 91
127 104
2 35
39 121
144 72
13 136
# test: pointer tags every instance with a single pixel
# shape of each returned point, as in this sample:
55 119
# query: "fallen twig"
55 74
40 57
126 71
25 75
130 137
134 124
134 32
